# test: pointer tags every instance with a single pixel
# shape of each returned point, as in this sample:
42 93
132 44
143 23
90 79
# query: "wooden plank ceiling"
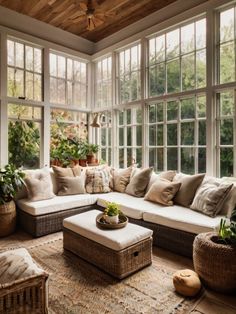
108 16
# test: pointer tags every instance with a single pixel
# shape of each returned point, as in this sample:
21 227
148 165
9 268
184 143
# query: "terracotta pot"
215 263
83 162
7 218
91 159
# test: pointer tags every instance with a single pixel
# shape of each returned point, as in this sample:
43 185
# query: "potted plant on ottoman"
112 213
214 256
11 180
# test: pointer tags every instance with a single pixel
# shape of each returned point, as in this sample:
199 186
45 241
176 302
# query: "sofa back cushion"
39 185
189 185
138 182
72 185
210 197
167 175
98 180
163 191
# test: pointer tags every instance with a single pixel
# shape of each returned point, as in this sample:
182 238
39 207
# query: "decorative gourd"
186 282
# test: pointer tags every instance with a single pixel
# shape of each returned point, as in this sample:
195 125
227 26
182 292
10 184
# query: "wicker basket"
215 263
7 218
27 295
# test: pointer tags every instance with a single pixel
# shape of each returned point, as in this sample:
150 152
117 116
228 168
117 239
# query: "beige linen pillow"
67 172
162 191
98 181
138 183
121 178
189 185
209 198
168 175
72 185
39 186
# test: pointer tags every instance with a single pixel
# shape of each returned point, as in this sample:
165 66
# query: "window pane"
160 48
159 135
201 34
187 38
226 162
53 64
121 137
160 112
201 160
61 91
173 76
139 135
227 59
19 55
172 39
29 58
121 158
129 136
157 79
37 60
171 134
187 160
61 67
172 158
188 73
227 25
160 159
152 135
29 88
19 83
138 160
187 133
10 53
201 69
172 110
53 90
152 158
187 108
202 132
226 132
201 106
227 104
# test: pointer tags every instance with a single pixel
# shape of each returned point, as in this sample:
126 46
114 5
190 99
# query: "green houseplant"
112 212
11 180
92 150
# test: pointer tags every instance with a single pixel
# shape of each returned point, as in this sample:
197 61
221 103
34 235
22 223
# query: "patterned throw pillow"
98 180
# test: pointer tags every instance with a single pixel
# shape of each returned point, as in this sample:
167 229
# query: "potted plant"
11 180
92 150
112 213
214 256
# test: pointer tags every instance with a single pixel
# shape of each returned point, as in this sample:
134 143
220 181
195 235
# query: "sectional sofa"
174 227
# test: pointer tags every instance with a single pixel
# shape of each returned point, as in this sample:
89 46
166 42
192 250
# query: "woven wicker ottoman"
119 252
23 285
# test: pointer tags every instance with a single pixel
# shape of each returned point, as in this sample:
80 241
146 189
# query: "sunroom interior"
158 91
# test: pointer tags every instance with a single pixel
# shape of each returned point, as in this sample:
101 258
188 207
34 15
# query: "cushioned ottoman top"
85 225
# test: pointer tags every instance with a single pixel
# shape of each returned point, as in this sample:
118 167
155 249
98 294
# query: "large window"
103 86
24 129
130 137
177 135
129 74
68 81
24 70
177 59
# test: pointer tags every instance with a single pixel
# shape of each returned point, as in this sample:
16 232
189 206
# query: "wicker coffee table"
119 252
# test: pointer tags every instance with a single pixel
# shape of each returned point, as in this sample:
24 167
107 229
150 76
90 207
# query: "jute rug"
77 287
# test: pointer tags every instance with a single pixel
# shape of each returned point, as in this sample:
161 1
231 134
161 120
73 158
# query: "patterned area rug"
77 287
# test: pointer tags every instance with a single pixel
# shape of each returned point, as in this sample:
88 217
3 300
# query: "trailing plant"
11 180
112 209
227 230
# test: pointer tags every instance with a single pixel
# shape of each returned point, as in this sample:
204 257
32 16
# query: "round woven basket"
215 263
7 218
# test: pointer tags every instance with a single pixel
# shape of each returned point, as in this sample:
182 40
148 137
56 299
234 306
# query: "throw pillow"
168 175
162 191
209 198
67 172
98 180
189 185
138 183
121 178
71 185
39 186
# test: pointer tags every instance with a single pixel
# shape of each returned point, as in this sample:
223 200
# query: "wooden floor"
209 303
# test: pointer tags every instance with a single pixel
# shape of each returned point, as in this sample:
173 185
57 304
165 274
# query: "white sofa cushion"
181 218
56 204
118 239
131 206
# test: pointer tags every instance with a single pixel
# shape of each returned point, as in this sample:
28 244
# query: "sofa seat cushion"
56 204
181 218
131 206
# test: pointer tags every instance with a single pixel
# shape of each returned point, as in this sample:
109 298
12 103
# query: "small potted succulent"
112 212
